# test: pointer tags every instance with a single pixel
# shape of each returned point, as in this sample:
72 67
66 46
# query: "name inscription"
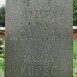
38 66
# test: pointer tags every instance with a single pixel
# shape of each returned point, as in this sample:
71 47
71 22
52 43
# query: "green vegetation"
2 17
75 56
2 57
75 12
2 51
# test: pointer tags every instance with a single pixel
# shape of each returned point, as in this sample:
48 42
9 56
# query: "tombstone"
39 38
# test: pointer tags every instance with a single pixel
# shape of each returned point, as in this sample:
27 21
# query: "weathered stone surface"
39 38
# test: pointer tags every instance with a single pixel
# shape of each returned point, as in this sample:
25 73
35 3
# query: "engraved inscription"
34 68
38 38
44 38
49 2
37 13
42 59
38 70
27 2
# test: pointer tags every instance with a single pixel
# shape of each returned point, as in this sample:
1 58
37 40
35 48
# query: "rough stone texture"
39 38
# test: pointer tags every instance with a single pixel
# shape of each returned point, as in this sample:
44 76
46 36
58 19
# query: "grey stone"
39 38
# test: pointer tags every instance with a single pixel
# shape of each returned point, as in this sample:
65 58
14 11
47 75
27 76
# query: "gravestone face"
39 38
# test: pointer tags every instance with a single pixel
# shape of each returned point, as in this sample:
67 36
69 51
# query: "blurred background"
2 37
